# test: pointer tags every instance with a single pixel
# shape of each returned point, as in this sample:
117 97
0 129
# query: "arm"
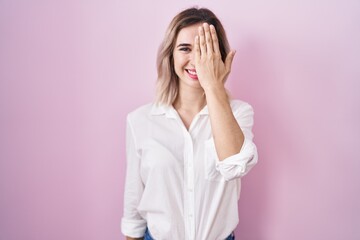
239 165
132 224
212 72
227 134
232 132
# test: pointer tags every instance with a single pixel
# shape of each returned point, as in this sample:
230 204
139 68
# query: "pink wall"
71 70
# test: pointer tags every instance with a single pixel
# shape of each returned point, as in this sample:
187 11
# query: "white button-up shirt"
175 184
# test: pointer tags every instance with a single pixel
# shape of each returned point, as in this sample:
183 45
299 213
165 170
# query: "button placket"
189 196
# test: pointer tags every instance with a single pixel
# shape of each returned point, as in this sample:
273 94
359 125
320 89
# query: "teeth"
192 72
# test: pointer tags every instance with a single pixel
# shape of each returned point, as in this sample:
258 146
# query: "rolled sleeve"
238 165
133 228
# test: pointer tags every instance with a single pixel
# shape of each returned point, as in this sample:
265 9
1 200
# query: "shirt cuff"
239 164
133 228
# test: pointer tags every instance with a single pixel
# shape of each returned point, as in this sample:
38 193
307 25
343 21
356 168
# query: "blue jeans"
148 236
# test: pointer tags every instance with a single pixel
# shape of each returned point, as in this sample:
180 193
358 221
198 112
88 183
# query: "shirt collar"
204 111
162 109
170 112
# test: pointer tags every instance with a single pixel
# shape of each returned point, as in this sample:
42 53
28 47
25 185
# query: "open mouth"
192 73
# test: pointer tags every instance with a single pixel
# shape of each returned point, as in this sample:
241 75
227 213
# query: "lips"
192 73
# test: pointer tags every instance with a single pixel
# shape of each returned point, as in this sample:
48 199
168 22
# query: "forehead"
187 34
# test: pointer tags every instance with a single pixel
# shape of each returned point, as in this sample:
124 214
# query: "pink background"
70 71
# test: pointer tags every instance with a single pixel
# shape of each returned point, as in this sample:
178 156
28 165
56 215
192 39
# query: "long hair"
167 81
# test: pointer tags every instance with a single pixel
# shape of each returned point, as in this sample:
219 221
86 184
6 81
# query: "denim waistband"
149 237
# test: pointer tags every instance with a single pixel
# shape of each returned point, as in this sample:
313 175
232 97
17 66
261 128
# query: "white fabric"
175 183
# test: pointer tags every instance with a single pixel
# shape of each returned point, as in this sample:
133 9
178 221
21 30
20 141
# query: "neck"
190 99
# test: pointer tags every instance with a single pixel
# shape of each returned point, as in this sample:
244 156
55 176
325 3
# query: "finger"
229 59
202 41
215 40
208 39
197 49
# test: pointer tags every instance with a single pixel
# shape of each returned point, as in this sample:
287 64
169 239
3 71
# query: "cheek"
178 61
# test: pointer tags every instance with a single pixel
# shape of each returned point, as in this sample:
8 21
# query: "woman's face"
184 56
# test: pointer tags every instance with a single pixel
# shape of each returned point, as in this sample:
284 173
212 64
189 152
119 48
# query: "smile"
192 73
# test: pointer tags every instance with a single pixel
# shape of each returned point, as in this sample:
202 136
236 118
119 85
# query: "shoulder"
141 110
243 112
140 113
238 105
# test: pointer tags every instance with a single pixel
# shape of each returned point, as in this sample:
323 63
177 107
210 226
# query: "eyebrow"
184 45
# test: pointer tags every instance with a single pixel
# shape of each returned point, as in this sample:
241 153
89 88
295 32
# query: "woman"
187 152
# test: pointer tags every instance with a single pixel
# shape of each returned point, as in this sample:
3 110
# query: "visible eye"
185 49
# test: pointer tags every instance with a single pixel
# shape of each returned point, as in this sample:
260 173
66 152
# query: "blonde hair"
167 82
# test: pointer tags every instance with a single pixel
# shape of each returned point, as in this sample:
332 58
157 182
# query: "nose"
192 58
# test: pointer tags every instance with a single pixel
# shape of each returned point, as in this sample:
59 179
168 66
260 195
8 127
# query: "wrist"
216 89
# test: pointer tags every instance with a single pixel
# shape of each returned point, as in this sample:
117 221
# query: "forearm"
226 132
